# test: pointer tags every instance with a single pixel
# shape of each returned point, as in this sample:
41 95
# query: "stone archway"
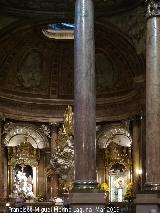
114 142
24 143
117 133
14 134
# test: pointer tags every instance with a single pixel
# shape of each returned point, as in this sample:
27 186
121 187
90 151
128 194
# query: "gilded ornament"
62 160
44 128
129 195
117 155
23 154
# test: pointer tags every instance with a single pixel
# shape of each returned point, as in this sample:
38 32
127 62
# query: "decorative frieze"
45 129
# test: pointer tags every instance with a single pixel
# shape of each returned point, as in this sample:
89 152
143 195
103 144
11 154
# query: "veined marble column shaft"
84 96
153 97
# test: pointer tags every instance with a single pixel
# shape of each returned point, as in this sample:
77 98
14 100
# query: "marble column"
153 97
4 184
41 173
145 202
54 178
101 170
5 172
84 96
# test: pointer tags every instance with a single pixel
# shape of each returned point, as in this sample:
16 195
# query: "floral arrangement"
104 187
129 192
40 197
62 159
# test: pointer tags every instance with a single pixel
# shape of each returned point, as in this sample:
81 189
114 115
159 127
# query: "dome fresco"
42 68
36 73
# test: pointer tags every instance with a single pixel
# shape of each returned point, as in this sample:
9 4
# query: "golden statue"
66 132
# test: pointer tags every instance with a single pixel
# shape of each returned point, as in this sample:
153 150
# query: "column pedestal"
87 202
147 202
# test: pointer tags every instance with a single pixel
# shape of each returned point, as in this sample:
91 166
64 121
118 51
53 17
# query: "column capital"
54 127
2 120
153 8
2 147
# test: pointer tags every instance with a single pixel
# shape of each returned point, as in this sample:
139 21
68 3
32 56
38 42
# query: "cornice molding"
4 97
120 108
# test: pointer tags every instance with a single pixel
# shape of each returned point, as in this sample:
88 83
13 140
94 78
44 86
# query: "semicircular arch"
117 133
14 134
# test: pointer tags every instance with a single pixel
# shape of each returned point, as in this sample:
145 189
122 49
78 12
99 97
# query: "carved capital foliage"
54 128
1 122
8 127
153 8
45 129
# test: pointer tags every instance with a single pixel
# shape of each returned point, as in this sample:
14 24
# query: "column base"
146 202
152 187
83 185
87 202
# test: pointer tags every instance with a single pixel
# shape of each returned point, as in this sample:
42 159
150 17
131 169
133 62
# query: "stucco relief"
29 74
44 67
23 65
105 73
